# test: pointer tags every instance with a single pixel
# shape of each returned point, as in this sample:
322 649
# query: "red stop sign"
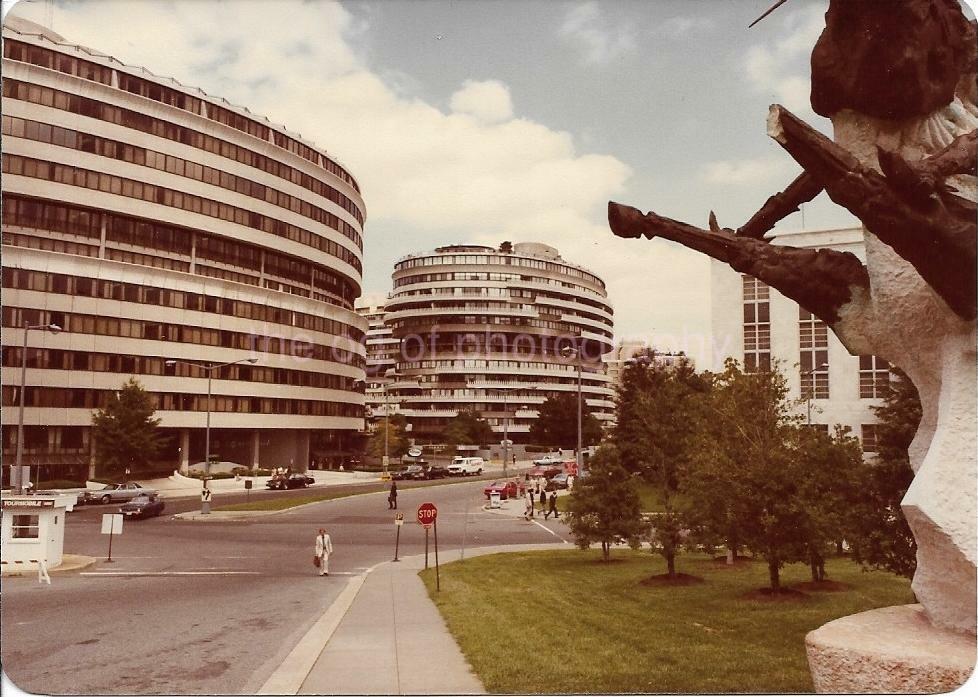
427 514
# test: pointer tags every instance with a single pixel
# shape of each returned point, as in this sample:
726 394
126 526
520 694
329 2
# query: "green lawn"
562 621
277 504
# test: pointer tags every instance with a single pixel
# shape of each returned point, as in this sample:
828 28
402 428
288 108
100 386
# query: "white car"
466 465
550 459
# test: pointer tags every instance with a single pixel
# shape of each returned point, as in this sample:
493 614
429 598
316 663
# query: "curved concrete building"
482 329
153 222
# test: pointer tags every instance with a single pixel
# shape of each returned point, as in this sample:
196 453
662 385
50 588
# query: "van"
462 466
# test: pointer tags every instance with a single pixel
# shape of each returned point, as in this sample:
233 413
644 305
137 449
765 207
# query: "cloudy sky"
480 121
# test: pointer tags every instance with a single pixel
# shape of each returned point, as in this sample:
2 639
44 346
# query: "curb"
69 563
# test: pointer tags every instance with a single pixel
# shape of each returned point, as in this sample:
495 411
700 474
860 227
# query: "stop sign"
427 514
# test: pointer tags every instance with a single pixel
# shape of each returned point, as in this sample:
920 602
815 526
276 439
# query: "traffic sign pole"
437 577
398 523
426 548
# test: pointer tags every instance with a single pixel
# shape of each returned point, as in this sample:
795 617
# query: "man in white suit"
324 547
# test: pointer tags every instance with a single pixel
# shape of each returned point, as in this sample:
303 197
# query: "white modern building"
761 328
383 350
484 329
153 222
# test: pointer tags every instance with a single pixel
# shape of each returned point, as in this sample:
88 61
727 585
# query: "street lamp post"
389 373
210 368
54 329
809 392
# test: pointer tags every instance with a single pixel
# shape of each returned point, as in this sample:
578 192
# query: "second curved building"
483 329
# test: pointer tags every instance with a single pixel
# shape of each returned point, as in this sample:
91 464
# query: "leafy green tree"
467 429
744 471
604 506
397 442
657 405
556 424
830 468
126 433
879 534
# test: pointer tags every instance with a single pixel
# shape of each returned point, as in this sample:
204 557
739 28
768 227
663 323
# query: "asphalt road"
191 607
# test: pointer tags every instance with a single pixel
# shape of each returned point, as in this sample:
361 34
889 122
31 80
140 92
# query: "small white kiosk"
32 531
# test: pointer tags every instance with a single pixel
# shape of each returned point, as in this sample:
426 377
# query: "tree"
656 407
556 424
467 429
126 433
743 474
604 506
879 534
397 443
829 468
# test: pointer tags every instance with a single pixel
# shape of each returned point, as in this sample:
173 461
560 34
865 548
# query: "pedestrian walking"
529 504
392 496
553 504
324 547
543 499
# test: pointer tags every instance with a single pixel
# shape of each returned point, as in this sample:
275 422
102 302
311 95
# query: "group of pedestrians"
548 504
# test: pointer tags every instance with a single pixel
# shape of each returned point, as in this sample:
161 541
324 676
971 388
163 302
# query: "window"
757 325
870 444
874 377
25 526
813 345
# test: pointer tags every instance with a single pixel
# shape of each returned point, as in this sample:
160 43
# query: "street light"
210 368
811 388
54 329
503 391
567 352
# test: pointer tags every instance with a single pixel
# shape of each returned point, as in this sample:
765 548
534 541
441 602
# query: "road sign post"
205 500
437 577
398 523
111 525
427 515
248 486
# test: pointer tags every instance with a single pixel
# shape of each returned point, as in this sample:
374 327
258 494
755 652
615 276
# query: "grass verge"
563 622
281 504
271 504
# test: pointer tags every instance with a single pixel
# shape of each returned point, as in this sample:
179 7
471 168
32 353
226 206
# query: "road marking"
170 573
551 532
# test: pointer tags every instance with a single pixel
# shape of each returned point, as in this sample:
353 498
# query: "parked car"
549 459
506 489
558 481
462 466
296 480
142 506
410 472
545 471
435 472
114 493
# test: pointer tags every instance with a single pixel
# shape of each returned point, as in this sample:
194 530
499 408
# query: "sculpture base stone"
889 650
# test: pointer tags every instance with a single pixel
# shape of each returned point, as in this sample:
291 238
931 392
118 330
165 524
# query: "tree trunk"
813 563
774 573
821 569
671 564
605 551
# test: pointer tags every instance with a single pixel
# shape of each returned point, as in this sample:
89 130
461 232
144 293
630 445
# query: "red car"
545 471
505 489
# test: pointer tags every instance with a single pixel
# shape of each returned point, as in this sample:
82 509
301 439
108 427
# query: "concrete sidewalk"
389 638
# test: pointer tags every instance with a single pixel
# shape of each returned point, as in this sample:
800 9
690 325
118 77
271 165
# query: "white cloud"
682 26
748 172
588 29
780 67
488 101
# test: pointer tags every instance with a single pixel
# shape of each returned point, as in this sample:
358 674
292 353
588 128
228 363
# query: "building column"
301 451
255 449
184 451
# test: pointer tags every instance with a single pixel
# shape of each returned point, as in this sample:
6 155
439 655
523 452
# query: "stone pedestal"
889 650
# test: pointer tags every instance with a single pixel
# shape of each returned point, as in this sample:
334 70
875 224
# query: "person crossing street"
324 547
392 497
